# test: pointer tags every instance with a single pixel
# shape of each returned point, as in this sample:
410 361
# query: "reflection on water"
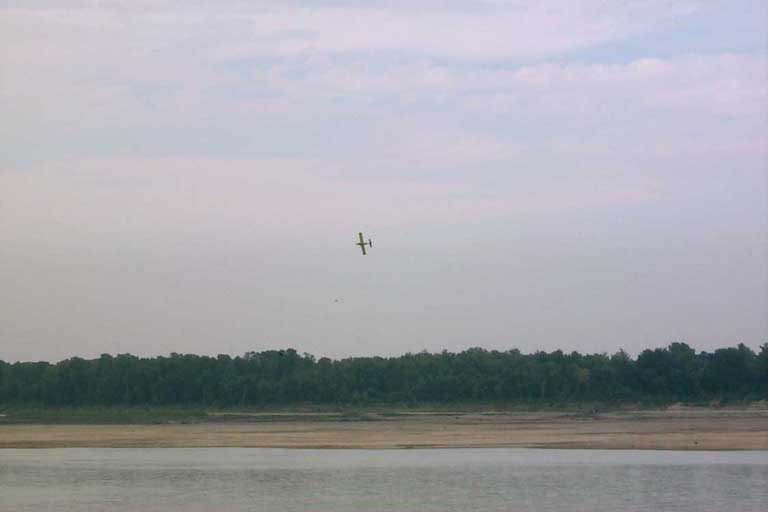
225 479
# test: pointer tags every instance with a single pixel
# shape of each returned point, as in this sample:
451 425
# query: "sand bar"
670 429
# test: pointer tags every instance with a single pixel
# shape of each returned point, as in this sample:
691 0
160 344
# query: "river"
235 479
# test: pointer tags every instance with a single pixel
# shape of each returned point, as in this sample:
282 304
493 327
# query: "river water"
255 479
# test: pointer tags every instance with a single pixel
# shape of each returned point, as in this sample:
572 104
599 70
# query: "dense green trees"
673 373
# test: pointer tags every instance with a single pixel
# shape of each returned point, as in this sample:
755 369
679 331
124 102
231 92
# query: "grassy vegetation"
349 412
101 415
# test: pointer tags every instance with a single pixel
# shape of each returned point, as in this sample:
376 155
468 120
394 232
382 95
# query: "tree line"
673 373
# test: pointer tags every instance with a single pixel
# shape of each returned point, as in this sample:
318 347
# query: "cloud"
107 77
469 99
720 84
472 30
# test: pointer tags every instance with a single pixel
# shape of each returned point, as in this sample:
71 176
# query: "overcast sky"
191 176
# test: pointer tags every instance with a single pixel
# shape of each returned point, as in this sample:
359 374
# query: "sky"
191 176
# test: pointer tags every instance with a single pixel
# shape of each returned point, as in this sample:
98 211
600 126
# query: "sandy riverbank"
678 428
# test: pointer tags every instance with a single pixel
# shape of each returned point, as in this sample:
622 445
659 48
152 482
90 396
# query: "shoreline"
673 428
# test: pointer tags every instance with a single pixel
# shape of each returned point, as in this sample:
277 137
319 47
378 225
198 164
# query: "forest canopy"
278 377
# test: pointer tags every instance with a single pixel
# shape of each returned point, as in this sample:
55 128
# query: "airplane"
362 243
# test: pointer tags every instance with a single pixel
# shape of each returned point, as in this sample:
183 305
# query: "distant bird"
362 243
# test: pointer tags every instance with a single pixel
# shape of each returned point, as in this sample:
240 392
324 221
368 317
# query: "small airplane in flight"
362 243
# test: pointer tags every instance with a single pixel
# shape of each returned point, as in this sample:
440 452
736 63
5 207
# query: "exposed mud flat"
674 428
